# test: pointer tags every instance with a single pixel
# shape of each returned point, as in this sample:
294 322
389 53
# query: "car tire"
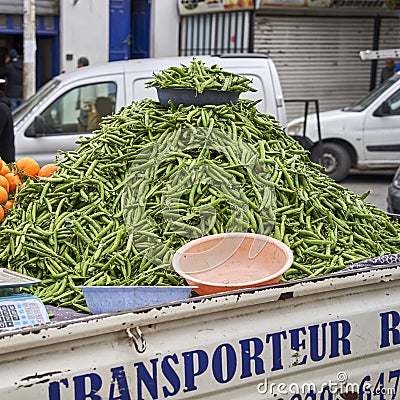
334 158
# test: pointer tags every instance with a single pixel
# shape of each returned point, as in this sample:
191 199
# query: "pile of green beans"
69 230
200 77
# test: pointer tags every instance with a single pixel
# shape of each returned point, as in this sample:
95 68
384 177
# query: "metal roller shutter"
317 57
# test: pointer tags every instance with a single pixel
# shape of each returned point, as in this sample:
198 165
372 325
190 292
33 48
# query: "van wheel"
334 158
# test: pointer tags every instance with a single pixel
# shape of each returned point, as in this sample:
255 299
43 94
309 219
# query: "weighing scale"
17 309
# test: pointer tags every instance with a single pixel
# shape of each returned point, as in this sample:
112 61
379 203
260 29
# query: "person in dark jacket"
13 73
7 147
388 70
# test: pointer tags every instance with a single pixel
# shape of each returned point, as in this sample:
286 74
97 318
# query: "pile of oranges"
13 176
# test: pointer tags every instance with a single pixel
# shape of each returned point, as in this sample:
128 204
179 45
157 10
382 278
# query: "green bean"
83 219
200 77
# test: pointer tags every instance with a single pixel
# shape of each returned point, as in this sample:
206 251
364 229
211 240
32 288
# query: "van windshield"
373 95
20 112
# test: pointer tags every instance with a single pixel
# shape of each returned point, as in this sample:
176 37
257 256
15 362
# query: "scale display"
18 310
21 310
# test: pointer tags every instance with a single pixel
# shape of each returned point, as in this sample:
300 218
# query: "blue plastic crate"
103 299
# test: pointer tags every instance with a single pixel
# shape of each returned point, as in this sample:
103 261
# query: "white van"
57 115
364 135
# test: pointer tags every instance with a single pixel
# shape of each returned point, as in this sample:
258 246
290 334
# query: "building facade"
315 43
101 30
47 35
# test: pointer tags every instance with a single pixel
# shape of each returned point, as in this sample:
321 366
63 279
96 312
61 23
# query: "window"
373 95
141 92
394 104
80 109
27 106
216 33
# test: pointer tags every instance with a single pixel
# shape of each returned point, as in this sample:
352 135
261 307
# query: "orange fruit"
13 181
47 170
4 183
8 205
1 214
28 166
3 195
4 168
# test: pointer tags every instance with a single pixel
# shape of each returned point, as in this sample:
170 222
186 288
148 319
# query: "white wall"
84 31
164 38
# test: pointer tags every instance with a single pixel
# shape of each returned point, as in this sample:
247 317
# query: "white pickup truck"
363 135
333 337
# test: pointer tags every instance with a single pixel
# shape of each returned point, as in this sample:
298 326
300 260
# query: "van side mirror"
383 110
37 128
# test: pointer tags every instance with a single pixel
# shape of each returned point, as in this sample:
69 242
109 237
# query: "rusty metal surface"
58 314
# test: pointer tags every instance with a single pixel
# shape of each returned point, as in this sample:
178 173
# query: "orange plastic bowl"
230 261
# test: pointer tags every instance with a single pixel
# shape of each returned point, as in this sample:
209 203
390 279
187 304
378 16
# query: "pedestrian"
7 147
83 62
13 73
388 70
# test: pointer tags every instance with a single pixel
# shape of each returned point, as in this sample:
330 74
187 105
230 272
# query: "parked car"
393 194
57 115
364 135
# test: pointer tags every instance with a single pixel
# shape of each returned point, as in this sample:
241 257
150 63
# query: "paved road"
378 182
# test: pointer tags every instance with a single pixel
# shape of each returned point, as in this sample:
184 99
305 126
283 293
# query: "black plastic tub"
189 97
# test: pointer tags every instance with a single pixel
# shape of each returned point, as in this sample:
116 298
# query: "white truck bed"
308 340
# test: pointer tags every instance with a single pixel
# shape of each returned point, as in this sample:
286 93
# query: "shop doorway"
47 45
129 29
